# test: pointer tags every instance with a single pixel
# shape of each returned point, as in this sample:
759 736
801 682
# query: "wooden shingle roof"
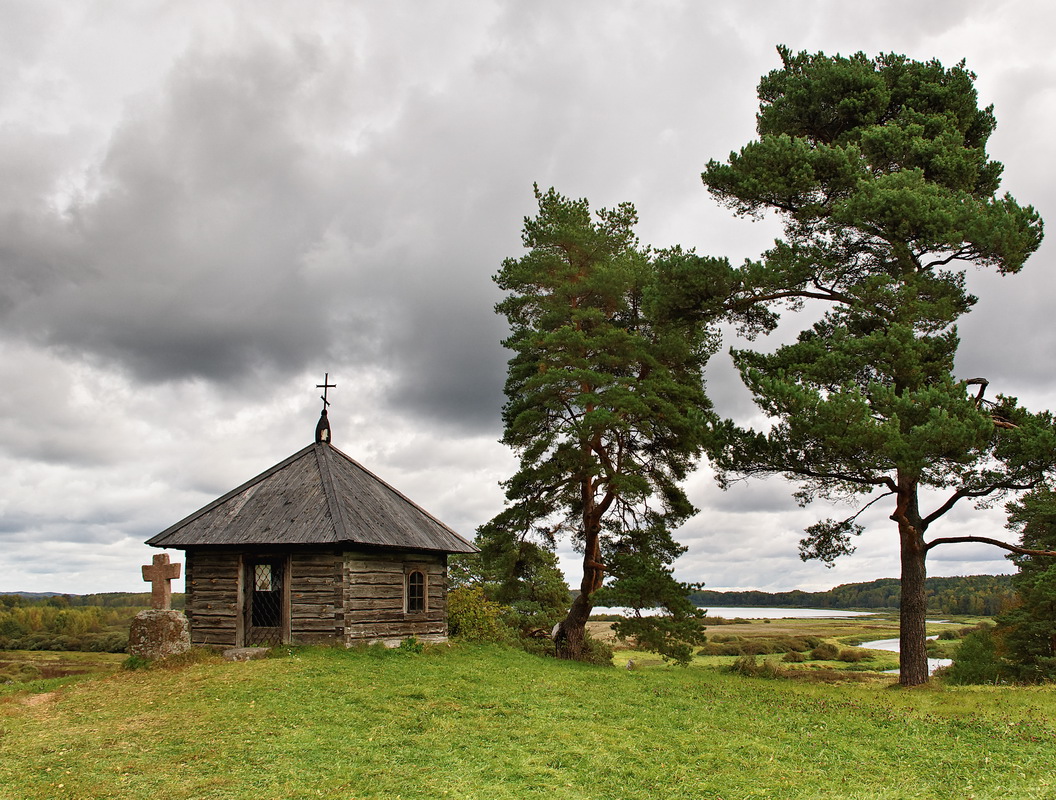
317 496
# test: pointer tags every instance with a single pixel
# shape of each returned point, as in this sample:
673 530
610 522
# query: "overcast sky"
204 206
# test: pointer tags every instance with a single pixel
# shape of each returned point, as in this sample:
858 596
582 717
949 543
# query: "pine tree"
606 410
1027 633
878 168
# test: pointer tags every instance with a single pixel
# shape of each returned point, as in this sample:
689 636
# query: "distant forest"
982 595
104 600
90 622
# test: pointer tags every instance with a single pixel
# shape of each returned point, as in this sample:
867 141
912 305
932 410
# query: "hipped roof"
317 496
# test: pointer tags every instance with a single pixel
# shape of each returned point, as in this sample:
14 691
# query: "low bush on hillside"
471 616
714 648
102 642
951 635
826 651
595 651
727 621
750 666
757 646
977 661
18 673
852 655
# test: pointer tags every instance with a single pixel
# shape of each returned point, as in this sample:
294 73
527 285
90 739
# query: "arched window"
415 591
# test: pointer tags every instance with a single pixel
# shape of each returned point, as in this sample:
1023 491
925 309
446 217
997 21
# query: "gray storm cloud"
205 207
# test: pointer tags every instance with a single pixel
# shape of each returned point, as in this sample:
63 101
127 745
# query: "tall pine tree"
606 410
879 171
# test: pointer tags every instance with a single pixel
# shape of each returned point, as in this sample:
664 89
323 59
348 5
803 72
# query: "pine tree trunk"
913 609
913 654
571 631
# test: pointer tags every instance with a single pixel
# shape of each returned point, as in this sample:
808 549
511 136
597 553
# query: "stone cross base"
158 633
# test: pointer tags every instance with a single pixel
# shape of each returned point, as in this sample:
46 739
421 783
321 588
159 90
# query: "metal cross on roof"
324 386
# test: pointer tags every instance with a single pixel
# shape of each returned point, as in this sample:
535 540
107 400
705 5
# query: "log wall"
315 597
213 593
334 597
374 596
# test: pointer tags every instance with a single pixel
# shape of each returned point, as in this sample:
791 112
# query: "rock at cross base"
158 633
159 574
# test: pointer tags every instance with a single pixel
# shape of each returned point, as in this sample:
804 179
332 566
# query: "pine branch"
961 494
1023 551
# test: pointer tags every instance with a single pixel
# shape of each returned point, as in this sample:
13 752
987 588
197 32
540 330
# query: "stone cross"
159 574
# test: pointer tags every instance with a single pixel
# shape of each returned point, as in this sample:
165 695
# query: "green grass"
485 722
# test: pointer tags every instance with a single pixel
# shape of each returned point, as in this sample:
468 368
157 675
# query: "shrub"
801 644
18 673
135 662
596 651
29 672
976 661
748 665
472 616
721 649
852 655
108 643
949 634
826 651
411 645
794 656
759 647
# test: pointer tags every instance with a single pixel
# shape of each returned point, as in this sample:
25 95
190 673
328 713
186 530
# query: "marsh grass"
478 721
43 670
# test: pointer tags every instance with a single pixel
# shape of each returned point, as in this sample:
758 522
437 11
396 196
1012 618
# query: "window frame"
410 571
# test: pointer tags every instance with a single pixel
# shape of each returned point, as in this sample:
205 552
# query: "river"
745 612
891 645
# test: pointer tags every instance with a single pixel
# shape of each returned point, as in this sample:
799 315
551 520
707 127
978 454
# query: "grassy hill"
485 722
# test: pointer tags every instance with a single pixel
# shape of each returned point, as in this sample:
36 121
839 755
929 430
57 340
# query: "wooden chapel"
315 550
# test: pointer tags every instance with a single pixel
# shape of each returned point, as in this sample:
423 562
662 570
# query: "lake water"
891 645
730 612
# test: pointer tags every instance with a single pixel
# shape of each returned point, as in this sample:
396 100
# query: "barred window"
264 577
